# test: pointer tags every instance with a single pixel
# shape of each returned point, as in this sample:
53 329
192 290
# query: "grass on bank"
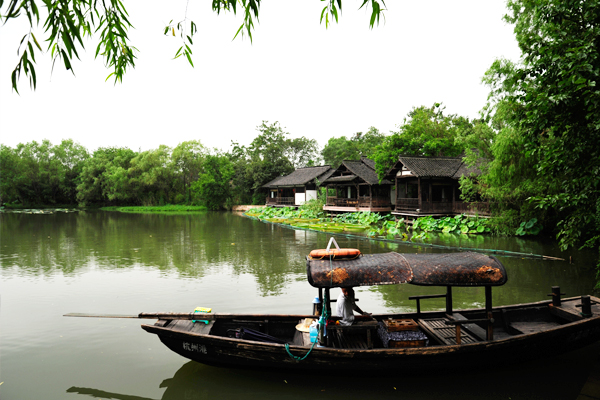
150 209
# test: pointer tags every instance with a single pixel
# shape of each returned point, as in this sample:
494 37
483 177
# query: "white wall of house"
300 198
311 195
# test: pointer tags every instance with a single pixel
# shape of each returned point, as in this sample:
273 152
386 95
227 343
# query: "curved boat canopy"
447 269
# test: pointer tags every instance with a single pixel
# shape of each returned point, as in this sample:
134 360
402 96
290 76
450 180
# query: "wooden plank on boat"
474 329
530 327
566 311
202 328
442 333
347 340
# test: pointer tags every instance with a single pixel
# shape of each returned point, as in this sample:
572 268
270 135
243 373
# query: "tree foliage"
339 149
68 22
40 173
103 179
426 131
213 187
542 117
188 158
271 154
43 174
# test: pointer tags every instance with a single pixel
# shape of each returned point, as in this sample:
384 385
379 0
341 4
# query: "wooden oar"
197 316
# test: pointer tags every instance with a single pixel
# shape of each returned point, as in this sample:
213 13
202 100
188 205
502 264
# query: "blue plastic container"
313 334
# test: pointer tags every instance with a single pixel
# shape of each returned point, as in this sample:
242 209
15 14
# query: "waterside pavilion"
354 186
296 188
429 186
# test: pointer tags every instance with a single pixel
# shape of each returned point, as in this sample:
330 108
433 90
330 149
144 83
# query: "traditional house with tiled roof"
298 187
354 186
429 186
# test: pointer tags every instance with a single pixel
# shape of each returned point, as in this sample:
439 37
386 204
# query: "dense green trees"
43 174
187 157
271 154
426 131
213 187
339 149
543 130
103 179
40 173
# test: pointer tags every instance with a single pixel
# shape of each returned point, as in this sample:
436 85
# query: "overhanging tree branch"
69 21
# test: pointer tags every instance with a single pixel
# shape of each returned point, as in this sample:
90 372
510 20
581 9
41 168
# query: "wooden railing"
342 202
360 202
460 207
407 204
287 201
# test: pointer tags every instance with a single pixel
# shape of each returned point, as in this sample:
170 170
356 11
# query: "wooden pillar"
328 305
556 300
370 196
449 300
431 194
453 197
419 194
489 314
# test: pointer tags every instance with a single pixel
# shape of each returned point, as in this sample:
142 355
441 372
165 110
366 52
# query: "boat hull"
231 352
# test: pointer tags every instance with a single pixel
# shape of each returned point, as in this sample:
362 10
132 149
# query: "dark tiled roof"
363 169
466 171
272 183
368 162
326 175
432 167
343 178
300 177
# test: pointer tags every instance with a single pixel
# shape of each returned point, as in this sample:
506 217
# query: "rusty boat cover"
443 269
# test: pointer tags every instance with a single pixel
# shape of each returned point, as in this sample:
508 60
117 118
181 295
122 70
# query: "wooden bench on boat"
448 330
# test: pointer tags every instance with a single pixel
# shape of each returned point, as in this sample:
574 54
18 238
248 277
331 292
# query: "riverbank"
150 209
244 208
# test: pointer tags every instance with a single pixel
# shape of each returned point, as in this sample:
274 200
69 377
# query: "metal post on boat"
321 300
449 300
488 299
586 306
489 313
317 306
556 300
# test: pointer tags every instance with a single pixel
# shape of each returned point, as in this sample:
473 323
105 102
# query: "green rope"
322 322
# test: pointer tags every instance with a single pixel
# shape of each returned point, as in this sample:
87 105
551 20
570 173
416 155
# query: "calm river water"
109 262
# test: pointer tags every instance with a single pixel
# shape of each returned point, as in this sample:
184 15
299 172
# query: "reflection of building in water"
304 236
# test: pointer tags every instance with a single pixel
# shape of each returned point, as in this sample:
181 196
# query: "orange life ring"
335 253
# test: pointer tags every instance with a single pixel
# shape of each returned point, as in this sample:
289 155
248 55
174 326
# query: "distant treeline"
46 174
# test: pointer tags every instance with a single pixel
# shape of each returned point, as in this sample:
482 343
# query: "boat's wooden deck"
437 329
182 325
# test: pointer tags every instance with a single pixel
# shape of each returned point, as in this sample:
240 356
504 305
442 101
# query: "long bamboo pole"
198 316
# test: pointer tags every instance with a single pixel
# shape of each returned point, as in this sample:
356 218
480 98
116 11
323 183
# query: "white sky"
318 83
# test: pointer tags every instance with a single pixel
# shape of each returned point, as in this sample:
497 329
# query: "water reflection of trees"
195 245
191 245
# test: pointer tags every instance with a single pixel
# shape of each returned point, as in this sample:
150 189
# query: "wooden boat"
439 339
